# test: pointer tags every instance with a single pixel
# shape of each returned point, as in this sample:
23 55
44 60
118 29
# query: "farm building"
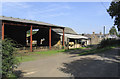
95 38
71 38
48 35
16 29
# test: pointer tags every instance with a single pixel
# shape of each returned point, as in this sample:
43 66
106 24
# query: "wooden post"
31 38
50 38
63 37
3 31
75 43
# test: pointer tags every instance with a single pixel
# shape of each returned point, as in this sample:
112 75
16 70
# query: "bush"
109 42
9 62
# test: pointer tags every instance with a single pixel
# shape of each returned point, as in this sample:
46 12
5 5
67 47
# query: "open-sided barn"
16 29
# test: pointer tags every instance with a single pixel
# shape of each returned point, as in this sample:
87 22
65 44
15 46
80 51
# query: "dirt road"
105 64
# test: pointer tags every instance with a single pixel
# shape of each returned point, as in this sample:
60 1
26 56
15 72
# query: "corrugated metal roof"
27 21
67 30
74 36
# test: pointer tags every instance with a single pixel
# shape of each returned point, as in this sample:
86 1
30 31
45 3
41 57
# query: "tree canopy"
113 31
114 12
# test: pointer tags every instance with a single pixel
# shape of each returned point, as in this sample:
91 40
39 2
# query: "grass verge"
95 50
67 50
36 55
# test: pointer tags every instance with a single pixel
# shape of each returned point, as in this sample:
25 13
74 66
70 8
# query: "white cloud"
30 11
52 8
15 5
55 15
49 11
45 16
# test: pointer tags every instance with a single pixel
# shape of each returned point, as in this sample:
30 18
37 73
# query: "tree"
113 31
114 12
9 60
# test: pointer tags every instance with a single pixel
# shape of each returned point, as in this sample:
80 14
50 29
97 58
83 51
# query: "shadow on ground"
18 73
106 64
75 51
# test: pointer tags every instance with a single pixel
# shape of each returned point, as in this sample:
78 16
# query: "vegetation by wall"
109 42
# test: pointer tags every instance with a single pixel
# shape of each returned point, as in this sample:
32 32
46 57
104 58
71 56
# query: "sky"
82 17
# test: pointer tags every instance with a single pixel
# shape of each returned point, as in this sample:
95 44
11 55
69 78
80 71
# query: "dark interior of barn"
19 35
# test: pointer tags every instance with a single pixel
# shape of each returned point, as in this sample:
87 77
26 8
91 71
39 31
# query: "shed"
16 28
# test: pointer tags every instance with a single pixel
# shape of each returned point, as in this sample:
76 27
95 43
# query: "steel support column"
31 38
63 37
50 38
3 31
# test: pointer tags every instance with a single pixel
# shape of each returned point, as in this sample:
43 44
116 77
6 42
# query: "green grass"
96 50
67 50
26 58
50 52
36 55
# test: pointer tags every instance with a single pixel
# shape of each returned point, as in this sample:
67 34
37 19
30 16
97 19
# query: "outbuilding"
16 29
